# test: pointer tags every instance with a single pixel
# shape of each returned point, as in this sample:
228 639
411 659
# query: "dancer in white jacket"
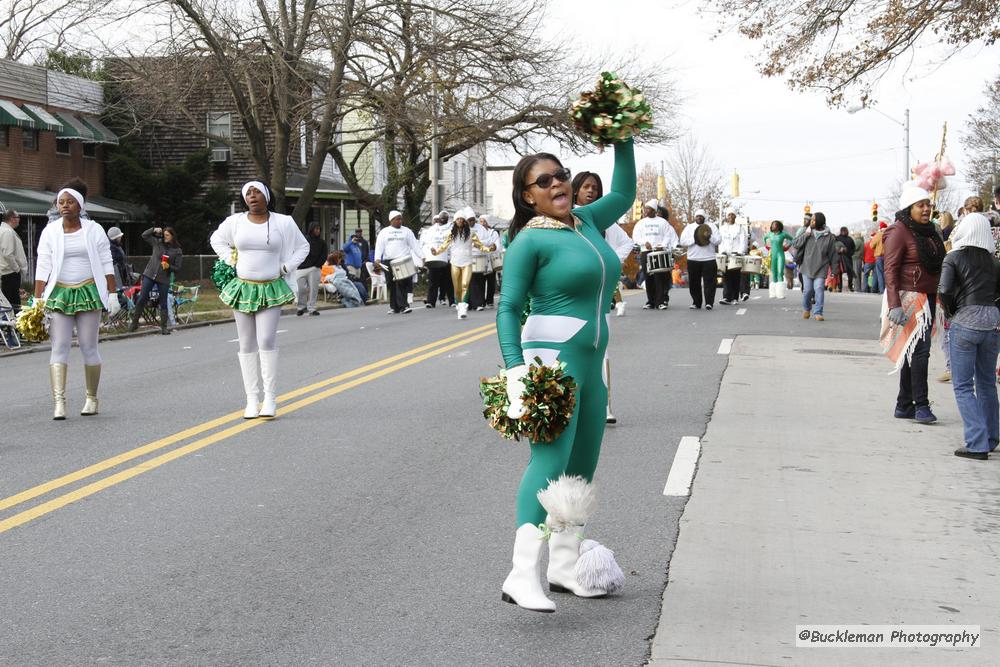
267 248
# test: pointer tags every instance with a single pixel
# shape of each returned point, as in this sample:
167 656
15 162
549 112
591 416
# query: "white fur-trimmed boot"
251 383
522 586
463 309
772 290
578 566
779 290
269 380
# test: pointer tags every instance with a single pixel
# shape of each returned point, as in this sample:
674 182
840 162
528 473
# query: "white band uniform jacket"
619 240
395 242
51 246
279 257
488 237
655 231
434 237
735 238
700 253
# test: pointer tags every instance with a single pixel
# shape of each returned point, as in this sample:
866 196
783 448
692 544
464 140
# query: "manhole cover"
840 353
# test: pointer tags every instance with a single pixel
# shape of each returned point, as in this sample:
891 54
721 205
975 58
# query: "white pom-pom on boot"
569 501
564 554
597 569
522 586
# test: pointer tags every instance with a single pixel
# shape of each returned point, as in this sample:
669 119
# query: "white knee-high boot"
251 383
522 586
269 379
780 290
570 502
772 290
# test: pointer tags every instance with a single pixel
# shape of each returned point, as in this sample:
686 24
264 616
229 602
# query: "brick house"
50 132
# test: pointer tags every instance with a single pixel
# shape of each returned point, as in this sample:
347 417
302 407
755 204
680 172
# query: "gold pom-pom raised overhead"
549 398
612 112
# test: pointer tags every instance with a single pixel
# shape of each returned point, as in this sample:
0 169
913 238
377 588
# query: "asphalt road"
370 524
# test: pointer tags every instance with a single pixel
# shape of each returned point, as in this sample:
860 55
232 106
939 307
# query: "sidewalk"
839 514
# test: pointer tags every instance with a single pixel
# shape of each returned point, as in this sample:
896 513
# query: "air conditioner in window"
219 155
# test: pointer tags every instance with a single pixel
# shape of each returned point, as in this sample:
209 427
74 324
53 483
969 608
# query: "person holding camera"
166 259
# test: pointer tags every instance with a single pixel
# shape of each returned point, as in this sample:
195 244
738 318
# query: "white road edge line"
726 346
682 470
741 311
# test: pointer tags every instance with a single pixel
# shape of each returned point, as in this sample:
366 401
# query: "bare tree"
694 180
981 141
29 29
842 46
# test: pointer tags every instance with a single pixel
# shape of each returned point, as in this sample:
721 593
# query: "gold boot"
92 376
57 376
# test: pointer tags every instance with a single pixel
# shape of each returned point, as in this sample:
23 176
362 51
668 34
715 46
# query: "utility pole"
906 145
435 160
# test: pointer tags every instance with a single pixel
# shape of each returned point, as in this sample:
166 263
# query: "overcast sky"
788 146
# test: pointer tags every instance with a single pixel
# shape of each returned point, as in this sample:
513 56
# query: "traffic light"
735 185
637 210
661 188
808 210
874 211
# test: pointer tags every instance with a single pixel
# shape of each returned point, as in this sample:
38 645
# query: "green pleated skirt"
73 299
249 296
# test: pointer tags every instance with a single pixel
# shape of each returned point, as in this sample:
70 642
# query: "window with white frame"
219 124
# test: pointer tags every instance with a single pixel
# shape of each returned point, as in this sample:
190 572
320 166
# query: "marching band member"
701 238
779 241
483 286
650 234
269 247
438 278
558 258
734 242
393 242
461 240
74 277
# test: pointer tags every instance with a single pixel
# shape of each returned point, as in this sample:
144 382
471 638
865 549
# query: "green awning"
24 205
43 119
38 202
102 134
11 114
72 128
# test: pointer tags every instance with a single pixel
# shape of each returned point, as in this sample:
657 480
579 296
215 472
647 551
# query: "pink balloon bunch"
931 175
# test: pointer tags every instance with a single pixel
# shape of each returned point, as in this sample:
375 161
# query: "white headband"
260 187
76 195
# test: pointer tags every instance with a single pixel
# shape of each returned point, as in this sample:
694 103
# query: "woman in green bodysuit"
776 240
558 259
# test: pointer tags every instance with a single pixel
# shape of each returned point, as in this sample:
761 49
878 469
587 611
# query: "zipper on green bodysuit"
600 294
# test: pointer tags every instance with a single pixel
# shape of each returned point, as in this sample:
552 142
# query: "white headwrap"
701 212
260 187
394 214
973 230
466 214
77 196
652 203
442 214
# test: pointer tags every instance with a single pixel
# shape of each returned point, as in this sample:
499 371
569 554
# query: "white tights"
61 333
258 330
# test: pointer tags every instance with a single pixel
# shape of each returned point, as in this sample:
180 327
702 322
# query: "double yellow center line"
323 389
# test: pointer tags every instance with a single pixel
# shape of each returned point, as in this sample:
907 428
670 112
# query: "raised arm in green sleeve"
519 267
605 211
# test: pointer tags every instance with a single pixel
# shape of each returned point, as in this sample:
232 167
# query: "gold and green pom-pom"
223 272
549 398
612 112
30 322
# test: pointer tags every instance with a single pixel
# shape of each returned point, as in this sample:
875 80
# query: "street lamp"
905 123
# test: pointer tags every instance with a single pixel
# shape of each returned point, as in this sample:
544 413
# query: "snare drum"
752 264
720 261
734 262
659 261
496 260
403 268
481 264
